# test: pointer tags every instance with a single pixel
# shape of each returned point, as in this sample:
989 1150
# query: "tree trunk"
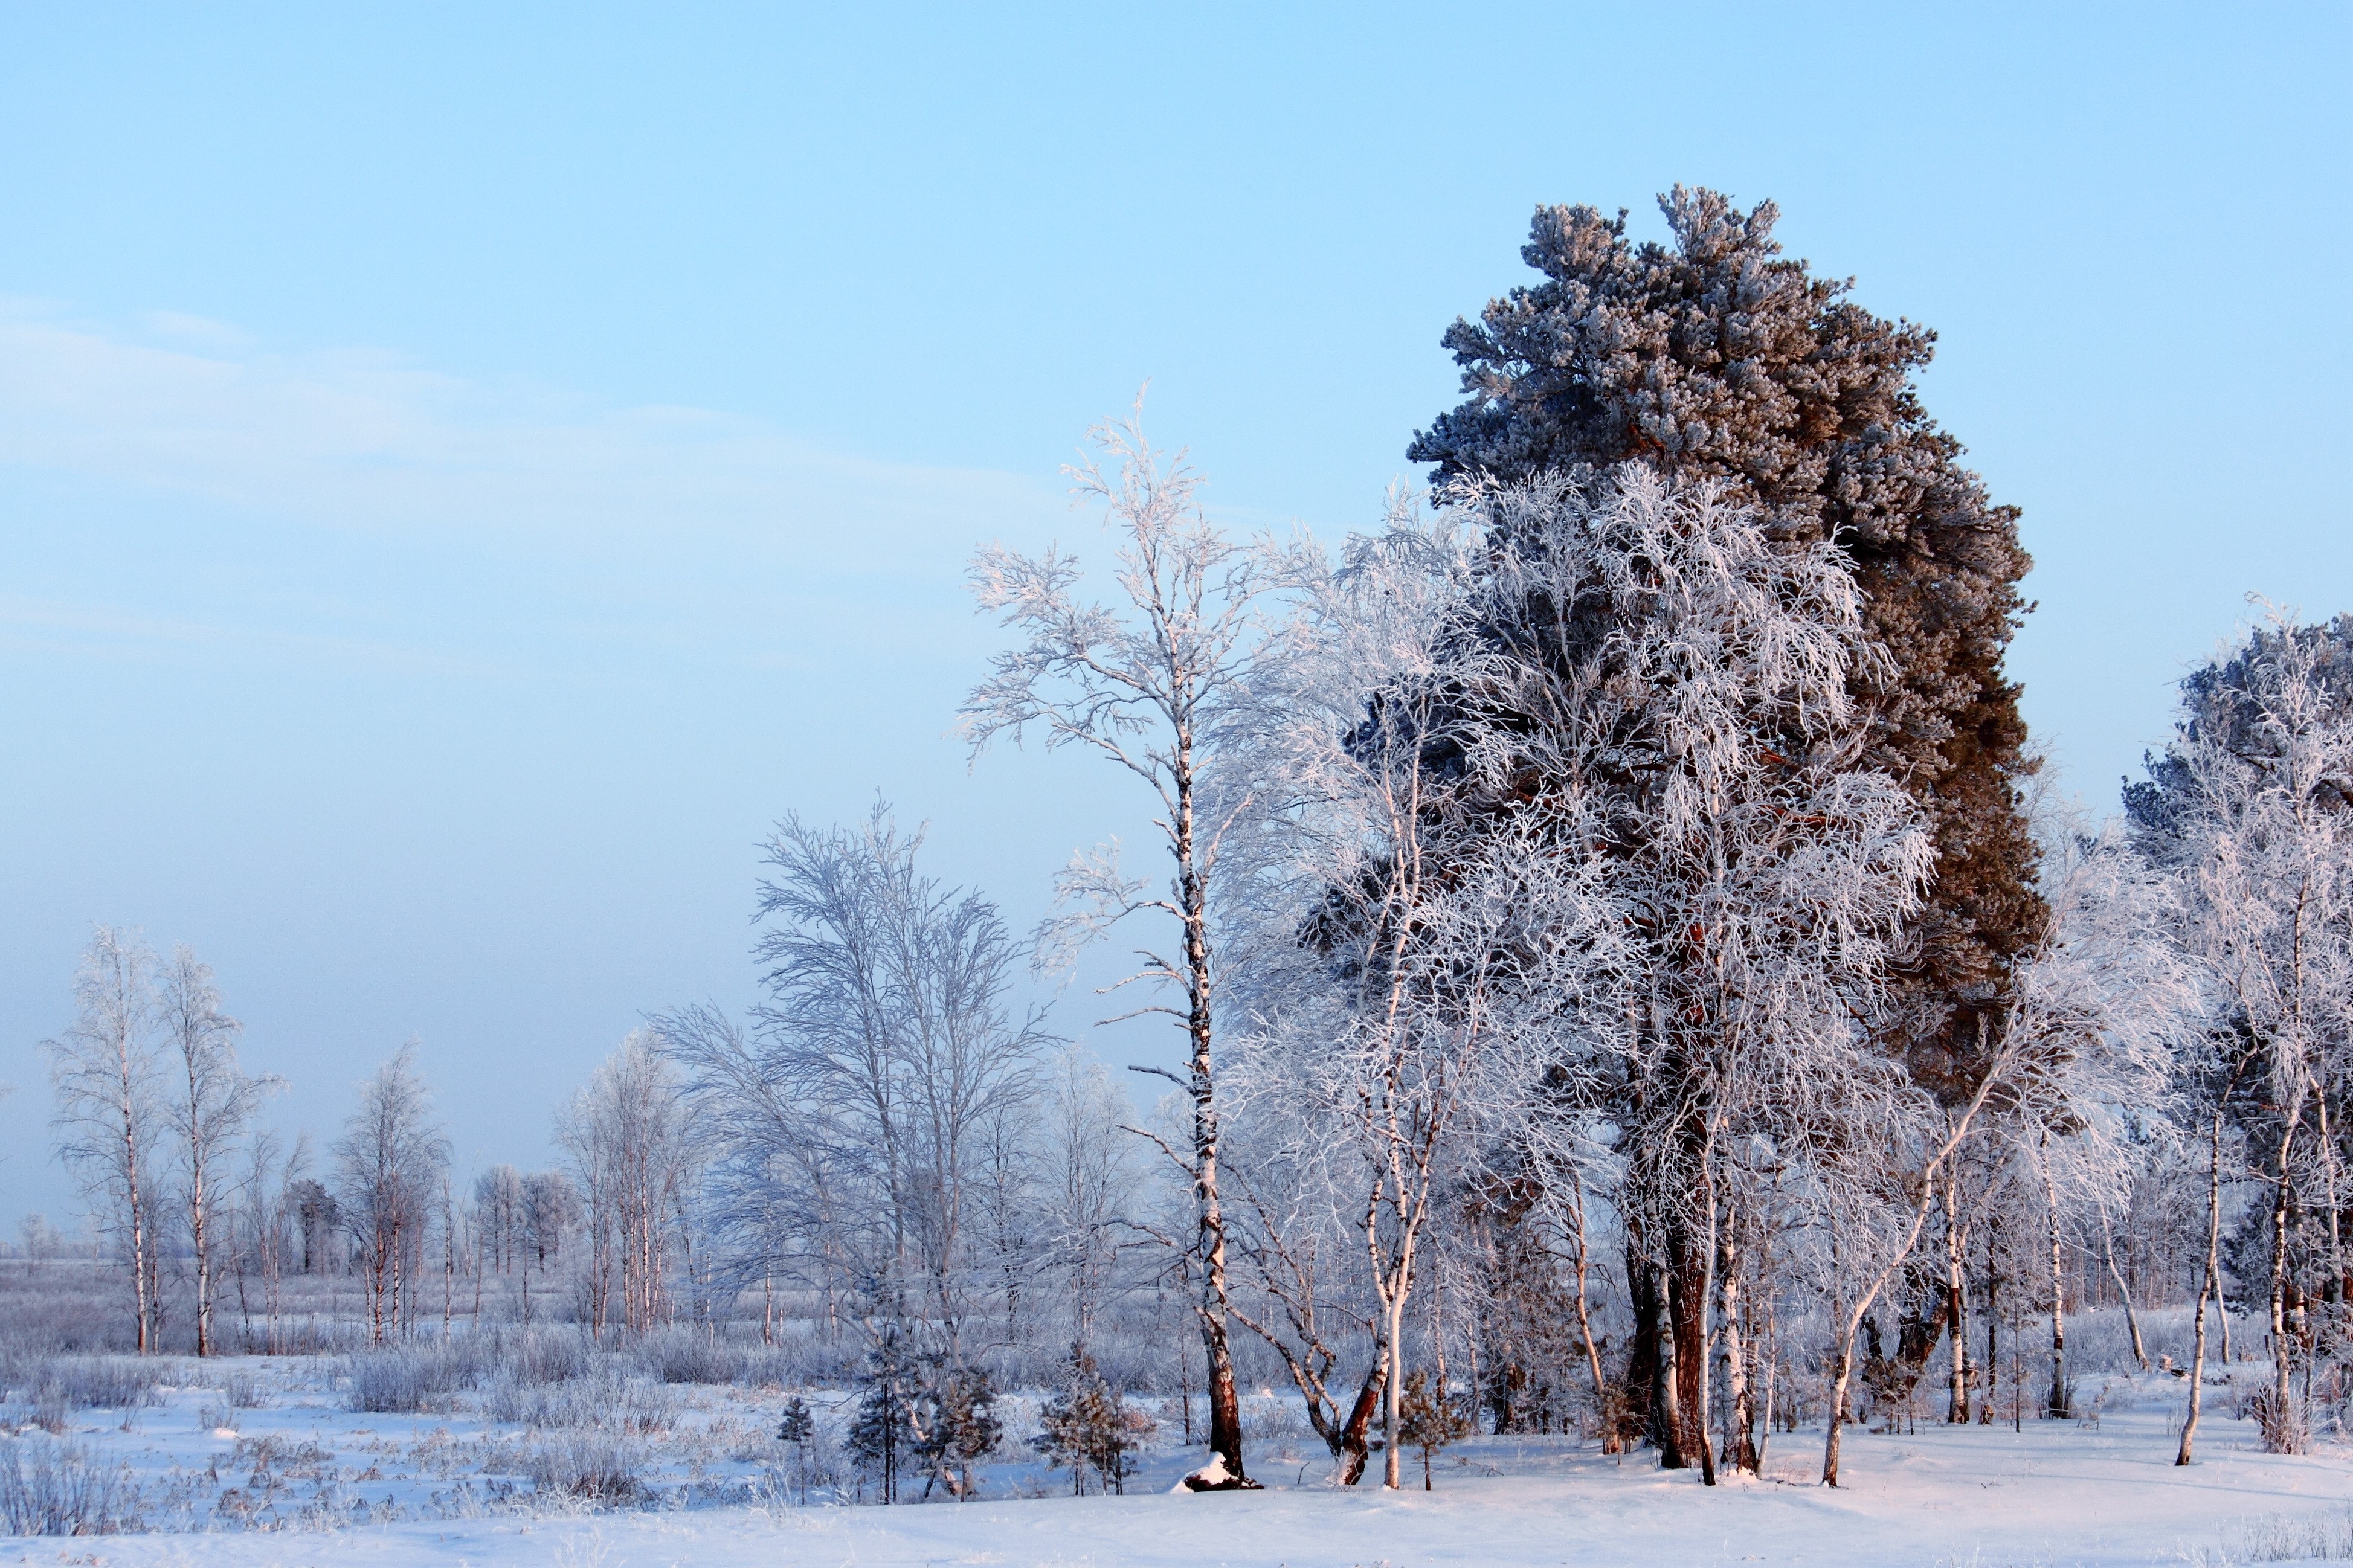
1740 1413
1225 1400
2209 1285
2056 1407
1993 1333
1703 1343
2123 1292
1845 1370
1393 1330
1666 1397
1354 1448
1612 1440
2282 1439
1956 1404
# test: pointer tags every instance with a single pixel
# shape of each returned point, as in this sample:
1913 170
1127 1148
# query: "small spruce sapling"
1085 1428
797 1432
955 1426
1427 1421
882 1433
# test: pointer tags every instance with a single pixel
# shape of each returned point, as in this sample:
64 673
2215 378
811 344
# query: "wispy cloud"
365 439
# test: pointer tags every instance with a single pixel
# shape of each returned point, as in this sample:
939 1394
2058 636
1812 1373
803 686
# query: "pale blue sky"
465 470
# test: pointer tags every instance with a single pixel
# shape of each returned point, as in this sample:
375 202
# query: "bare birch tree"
632 1140
388 1166
109 1115
212 1104
853 1127
2252 805
1149 686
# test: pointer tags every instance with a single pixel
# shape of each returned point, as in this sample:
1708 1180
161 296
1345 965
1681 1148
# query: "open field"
532 1446
455 1486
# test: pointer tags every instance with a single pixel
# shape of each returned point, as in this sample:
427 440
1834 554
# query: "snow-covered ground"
452 1488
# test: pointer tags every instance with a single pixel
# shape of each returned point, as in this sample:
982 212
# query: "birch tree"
107 1079
388 1165
2249 805
852 1124
1149 686
632 1140
212 1104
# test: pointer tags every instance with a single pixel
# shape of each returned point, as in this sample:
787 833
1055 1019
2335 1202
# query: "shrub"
599 1465
605 1398
54 1489
677 1353
547 1355
100 1382
401 1381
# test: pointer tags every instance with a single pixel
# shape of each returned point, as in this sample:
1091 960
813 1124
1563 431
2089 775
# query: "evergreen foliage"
957 1426
1715 356
1083 1428
881 1437
1429 1420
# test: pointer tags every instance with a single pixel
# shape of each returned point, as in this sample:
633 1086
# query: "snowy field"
256 1462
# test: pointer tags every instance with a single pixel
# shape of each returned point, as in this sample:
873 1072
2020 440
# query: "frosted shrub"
600 1466
99 1383
56 1488
531 1356
676 1354
401 1381
604 1399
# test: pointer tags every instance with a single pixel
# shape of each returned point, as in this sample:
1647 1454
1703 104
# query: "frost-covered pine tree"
1714 355
1667 730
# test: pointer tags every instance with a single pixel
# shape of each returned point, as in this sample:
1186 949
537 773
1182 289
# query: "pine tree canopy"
1717 356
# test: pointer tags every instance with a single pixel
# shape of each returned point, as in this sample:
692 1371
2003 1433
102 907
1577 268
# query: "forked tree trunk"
1356 1443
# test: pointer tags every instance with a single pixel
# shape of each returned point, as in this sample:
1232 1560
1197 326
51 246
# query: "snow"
2057 1493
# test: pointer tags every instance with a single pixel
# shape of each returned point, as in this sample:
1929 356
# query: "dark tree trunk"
1354 1447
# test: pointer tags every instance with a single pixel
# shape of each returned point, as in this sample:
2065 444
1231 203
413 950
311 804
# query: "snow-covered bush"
404 1380
601 1467
605 1398
101 1381
677 1353
56 1489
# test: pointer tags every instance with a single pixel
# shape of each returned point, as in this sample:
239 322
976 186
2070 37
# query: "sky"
467 472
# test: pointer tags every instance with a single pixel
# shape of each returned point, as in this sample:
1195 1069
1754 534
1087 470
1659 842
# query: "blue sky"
465 470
